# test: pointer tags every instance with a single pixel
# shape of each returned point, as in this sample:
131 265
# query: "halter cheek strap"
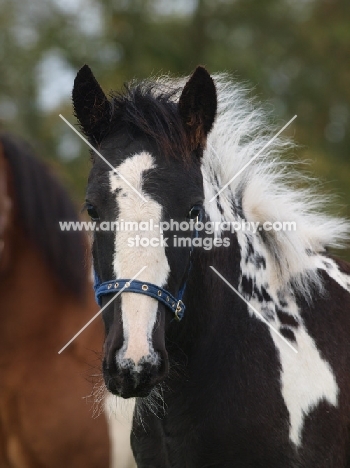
173 303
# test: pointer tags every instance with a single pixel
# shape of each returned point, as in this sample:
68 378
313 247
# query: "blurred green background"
294 54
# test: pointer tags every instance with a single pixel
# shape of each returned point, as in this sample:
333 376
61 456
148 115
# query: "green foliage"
294 53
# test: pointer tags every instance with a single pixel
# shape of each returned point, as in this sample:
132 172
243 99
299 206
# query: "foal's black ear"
91 106
197 107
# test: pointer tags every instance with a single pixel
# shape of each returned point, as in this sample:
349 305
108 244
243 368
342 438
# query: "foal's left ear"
197 107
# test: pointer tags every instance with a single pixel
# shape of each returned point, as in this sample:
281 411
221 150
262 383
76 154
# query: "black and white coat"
221 388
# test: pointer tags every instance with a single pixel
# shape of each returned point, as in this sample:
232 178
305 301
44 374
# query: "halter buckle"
179 309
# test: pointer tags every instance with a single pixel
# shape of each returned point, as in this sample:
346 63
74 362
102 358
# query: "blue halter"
141 287
175 304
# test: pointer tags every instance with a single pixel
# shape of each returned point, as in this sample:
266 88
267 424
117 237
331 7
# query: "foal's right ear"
91 105
197 107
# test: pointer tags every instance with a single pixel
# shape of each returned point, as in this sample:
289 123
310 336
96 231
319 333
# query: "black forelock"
141 110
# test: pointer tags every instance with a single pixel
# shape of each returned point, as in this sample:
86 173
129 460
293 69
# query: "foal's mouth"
127 389
127 382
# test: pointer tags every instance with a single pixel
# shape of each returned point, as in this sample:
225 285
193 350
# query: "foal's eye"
194 212
92 212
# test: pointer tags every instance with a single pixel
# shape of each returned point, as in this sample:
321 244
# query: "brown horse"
45 297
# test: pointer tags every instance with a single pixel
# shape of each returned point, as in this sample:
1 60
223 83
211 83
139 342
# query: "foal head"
155 142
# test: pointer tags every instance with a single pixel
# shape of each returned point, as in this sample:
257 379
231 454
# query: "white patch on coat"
306 380
139 312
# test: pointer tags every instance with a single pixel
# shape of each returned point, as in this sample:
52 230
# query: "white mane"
268 189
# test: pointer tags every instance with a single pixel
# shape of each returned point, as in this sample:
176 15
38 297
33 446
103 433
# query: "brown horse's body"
45 421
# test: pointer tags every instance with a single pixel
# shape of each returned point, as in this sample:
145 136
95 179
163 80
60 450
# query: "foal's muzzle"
128 380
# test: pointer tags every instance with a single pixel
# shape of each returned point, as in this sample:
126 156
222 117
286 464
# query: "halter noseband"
141 287
173 303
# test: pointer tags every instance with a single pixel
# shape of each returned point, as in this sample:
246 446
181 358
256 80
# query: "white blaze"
139 312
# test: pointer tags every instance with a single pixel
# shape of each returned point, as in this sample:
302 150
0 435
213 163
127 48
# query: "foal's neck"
206 295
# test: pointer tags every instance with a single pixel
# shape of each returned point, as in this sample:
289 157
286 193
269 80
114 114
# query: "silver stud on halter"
178 309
